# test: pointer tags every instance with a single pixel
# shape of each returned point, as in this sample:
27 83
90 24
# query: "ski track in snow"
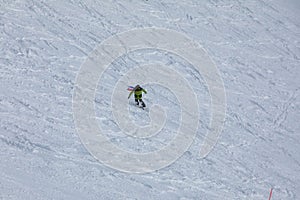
255 45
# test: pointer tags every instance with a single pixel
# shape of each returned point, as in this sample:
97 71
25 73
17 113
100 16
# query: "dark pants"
138 98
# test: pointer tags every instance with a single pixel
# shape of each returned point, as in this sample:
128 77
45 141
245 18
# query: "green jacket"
137 92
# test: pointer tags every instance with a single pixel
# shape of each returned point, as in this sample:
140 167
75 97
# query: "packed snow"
254 44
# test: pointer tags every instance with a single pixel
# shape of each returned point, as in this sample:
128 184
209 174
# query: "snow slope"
255 45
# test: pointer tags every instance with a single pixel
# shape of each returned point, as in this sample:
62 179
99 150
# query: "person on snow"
138 94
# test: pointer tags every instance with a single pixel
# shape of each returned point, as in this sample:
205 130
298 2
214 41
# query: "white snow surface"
256 47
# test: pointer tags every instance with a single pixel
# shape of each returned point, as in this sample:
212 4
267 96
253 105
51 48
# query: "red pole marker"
271 194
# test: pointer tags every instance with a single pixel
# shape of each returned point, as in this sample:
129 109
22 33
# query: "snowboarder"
138 91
